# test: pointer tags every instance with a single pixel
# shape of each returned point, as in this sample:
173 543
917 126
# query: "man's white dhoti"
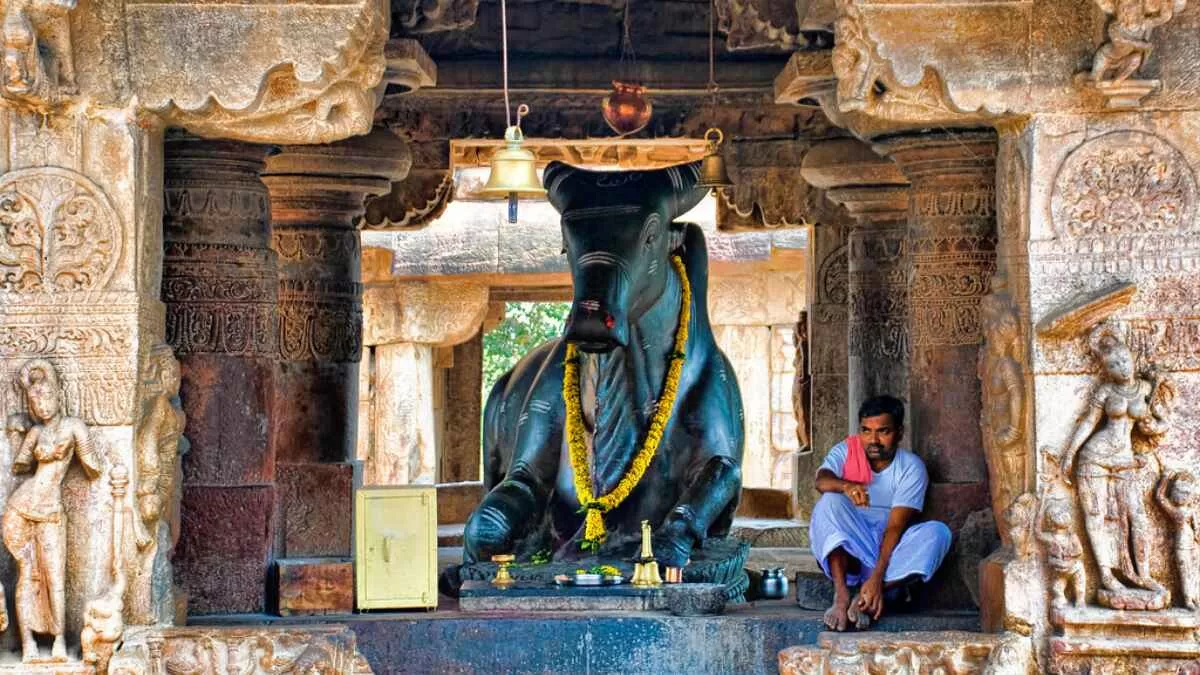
837 522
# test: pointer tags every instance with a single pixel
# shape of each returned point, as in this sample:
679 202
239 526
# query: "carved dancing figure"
1129 32
853 61
34 525
1179 502
1108 472
1064 553
1003 414
157 444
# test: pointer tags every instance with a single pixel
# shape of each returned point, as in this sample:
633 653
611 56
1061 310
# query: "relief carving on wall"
39 63
1106 484
833 287
328 649
1124 183
1003 419
60 232
43 440
1130 32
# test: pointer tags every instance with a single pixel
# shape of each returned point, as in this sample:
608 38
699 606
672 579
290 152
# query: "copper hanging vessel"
626 108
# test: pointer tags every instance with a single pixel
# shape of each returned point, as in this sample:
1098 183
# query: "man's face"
880 436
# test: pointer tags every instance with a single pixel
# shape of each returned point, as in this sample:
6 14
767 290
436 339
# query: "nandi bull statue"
634 413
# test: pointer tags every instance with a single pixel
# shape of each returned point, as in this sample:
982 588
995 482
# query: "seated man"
861 528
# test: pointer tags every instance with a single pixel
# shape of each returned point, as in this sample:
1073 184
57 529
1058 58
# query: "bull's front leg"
505 515
714 488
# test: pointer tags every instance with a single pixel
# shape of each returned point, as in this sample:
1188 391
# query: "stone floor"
747 639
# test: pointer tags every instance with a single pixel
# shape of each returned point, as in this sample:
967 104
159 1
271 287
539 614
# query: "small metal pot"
773 585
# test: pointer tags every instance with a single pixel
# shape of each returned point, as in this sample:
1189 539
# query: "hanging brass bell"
513 173
712 165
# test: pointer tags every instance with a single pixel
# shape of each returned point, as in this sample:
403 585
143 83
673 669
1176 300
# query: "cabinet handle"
388 542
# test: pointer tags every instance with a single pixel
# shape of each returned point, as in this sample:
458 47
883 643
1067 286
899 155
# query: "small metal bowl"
588 579
613 579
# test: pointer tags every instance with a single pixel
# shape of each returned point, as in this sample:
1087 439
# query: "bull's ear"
555 180
683 179
677 233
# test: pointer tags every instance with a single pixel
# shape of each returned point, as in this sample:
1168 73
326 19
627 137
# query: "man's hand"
870 597
856 492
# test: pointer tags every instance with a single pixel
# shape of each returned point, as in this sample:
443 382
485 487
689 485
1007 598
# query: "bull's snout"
595 328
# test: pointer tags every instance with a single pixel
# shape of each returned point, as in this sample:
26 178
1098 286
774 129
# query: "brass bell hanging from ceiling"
712 165
513 173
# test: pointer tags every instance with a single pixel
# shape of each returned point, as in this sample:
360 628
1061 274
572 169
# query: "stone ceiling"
564 55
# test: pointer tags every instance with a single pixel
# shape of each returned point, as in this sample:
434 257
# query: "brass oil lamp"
626 108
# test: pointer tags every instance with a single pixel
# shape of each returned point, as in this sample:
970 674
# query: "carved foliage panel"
60 232
1120 207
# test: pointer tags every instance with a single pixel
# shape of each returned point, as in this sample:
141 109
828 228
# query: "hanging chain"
504 60
712 51
628 63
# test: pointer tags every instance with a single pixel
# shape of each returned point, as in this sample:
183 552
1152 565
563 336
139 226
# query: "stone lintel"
847 162
427 312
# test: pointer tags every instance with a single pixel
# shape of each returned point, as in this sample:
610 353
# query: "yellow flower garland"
593 532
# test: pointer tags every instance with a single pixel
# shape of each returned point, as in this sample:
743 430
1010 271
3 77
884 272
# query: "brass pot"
626 109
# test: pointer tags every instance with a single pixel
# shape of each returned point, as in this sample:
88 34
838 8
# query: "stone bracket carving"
297 72
39 61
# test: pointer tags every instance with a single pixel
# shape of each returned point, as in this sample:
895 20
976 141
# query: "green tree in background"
525 326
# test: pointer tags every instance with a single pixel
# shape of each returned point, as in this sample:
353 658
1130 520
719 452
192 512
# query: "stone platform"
746 639
481 596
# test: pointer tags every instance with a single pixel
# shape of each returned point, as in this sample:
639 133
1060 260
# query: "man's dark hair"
879 405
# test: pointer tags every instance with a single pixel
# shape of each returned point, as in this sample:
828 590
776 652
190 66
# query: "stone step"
792 560
771 532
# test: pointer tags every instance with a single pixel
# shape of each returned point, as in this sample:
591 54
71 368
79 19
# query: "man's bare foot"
836 617
859 618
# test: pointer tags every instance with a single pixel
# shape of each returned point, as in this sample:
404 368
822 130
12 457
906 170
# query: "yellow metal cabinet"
396 547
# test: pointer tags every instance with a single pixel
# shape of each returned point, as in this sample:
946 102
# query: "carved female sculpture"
1108 471
34 525
1003 415
157 447
1179 503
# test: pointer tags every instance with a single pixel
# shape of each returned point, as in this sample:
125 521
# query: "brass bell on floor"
513 173
712 165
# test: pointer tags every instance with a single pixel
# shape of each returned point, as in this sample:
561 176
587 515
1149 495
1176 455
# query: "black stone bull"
619 238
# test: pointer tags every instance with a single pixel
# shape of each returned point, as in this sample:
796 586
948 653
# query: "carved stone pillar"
875 193
220 288
828 338
951 227
952 255
316 195
405 322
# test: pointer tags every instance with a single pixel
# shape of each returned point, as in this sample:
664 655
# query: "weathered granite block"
456 501
316 586
224 548
316 509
